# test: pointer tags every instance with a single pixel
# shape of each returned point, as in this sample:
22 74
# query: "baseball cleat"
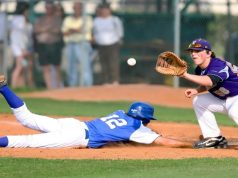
3 81
211 142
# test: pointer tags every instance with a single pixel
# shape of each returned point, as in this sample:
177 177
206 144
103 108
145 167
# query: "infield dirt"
154 94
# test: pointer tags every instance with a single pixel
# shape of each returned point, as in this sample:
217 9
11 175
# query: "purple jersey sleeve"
228 73
219 69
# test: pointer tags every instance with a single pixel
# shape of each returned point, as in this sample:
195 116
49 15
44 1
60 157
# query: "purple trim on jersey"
117 126
228 73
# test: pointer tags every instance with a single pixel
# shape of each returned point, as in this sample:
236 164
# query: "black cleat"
211 142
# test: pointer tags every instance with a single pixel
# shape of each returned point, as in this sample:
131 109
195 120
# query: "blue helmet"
142 111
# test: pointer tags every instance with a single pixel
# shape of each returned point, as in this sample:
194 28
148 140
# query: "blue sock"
3 141
12 99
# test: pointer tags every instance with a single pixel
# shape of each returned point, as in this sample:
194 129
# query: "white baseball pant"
205 105
65 132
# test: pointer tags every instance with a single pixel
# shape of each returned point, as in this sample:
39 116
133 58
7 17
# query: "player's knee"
233 114
198 101
24 118
195 101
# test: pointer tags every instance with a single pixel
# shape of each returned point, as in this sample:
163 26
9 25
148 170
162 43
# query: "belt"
86 134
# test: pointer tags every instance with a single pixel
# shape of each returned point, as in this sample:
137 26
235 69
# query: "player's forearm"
168 142
178 144
201 89
200 80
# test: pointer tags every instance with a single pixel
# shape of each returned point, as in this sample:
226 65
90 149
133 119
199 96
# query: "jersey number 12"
112 121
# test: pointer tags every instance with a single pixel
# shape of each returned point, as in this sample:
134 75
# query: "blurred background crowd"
68 43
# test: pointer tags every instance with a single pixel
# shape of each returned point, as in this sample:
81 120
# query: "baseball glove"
169 63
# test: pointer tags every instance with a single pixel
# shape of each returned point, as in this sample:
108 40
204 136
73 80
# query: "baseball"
131 61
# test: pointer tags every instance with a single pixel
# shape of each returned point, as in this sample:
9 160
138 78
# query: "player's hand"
190 92
184 74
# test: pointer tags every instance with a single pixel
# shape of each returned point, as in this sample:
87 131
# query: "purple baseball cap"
199 45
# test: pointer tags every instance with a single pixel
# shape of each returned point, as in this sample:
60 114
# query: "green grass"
97 109
186 168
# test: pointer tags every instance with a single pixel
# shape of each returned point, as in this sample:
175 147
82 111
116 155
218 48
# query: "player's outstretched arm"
200 80
169 142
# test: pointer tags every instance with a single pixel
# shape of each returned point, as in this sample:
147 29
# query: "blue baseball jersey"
228 74
118 126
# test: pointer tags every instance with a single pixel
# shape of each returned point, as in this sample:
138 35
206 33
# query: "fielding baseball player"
70 132
220 79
